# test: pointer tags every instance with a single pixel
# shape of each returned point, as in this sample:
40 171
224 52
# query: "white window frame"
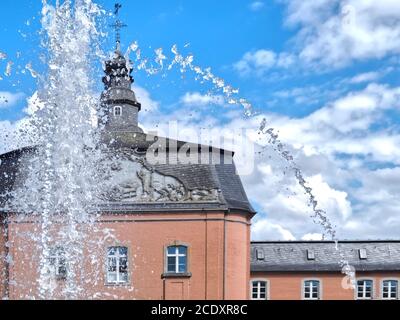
319 289
397 289
118 275
364 289
259 289
115 111
176 255
57 254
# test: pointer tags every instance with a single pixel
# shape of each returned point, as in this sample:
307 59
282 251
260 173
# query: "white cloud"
260 61
332 34
318 142
312 237
9 99
198 99
365 77
256 5
148 104
263 229
336 32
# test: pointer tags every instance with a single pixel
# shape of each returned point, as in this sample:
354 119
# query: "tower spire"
118 25
119 105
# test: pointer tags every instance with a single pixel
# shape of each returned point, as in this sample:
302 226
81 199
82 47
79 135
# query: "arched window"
390 289
117 265
311 290
57 261
117 111
365 289
177 259
259 290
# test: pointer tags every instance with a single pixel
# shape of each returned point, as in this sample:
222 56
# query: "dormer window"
310 254
260 254
117 111
362 254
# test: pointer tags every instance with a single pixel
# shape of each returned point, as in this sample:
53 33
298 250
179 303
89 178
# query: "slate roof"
292 256
194 176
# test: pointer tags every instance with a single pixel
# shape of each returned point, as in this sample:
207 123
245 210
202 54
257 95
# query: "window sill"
176 275
112 284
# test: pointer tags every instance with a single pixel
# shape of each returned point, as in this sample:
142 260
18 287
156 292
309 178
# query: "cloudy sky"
323 73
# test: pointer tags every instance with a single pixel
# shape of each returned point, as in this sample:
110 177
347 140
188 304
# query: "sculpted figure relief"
131 179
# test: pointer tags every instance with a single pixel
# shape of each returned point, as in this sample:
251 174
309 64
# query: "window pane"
124 277
123 251
123 265
62 271
112 277
182 268
112 264
112 251
171 250
171 264
182 264
182 250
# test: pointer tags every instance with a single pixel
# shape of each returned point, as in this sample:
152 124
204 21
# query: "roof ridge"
325 241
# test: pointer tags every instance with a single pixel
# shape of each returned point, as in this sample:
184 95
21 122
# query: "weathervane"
118 25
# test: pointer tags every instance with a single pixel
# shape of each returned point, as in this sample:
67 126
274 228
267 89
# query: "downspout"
224 263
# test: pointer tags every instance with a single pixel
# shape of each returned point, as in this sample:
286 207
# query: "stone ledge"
176 275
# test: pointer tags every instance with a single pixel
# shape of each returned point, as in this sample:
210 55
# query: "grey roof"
222 177
290 256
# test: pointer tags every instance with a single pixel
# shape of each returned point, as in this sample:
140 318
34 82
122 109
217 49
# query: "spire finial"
118 25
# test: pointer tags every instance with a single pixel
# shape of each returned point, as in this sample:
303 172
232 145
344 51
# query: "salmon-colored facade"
333 286
3 253
325 270
217 242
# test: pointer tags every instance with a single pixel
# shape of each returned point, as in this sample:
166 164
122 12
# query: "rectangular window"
311 290
177 259
364 289
57 262
117 265
259 290
390 289
117 111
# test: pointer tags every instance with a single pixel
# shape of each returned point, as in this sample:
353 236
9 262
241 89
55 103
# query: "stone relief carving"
130 179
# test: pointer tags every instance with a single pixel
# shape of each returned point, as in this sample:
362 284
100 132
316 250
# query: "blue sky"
324 73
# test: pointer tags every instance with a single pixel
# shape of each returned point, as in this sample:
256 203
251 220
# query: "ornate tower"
119 105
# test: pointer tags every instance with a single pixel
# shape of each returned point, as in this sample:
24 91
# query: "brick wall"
214 271
288 285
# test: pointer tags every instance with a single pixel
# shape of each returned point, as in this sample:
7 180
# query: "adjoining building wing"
305 256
